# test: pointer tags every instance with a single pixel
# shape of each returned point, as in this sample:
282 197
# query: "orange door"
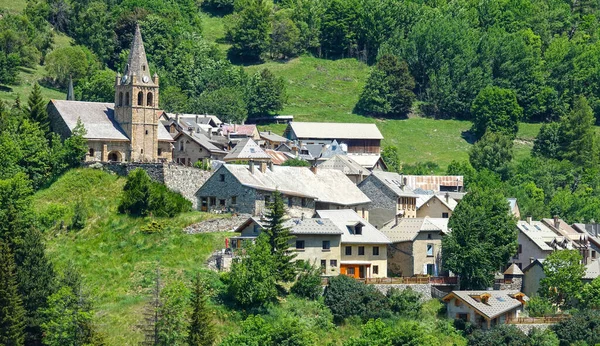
350 270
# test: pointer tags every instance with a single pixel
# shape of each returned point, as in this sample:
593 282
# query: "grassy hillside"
117 260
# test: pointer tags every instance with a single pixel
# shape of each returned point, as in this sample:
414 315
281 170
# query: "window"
290 200
159 151
323 266
300 244
140 98
326 245
149 100
444 215
429 250
428 235
146 131
348 250
375 269
430 269
222 202
143 67
142 151
212 201
461 316
520 248
233 200
358 229
333 263
181 146
256 228
221 177
350 271
127 99
303 202
361 250
375 250
267 199
120 99
91 152
593 254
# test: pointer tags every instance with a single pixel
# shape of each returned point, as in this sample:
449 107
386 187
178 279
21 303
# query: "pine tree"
36 109
279 239
201 329
12 314
150 324
577 134
36 278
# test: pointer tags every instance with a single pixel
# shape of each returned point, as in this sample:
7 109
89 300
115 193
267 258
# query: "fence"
538 320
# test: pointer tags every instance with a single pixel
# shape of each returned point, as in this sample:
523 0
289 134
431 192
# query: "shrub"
52 215
152 227
405 302
538 306
347 297
308 284
501 335
583 326
79 216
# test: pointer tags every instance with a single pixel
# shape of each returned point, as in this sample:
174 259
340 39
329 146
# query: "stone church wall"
182 179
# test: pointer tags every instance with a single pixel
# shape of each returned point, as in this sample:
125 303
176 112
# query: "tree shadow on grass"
468 136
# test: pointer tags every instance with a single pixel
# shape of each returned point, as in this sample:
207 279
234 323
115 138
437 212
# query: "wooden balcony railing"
538 320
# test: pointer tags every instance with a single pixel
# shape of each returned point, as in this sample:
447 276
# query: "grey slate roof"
335 130
343 163
344 218
407 229
272 137
326 185
137 64
499 302
98 120
592 270
247 149
366 160
394 182
540 235
312 226
202 140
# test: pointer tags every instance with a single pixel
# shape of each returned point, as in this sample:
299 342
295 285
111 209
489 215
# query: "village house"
247 189
514 208
435 183
485 309
390 197
349 167
534 273
416 246
177 122
536 241
271 140
236 132
191 147
435 206
339 241
588 246
246 150
128 129
362 142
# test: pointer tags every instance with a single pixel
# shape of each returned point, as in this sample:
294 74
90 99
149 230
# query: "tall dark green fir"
36 108
279 239
12 314
201 329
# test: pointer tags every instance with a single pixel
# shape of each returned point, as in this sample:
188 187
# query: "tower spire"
137 63
70 93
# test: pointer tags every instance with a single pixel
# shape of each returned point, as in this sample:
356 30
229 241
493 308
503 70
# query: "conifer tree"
577 134
36 109
201 329
12 314
36 278
279 239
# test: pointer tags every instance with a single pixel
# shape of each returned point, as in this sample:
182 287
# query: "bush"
296 162
143 197
501 335
538 307
79 216
583 326
347 297
52 215
405 302
308 284
152 227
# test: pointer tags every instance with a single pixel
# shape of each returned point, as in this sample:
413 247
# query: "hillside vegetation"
117 260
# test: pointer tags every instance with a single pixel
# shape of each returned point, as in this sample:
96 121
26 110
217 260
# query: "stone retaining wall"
526 328
183 179
424 289
217 225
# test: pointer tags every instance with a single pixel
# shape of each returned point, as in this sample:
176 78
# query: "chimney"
263 166
302 217
397 220
177 118
234 127
313 169
529 220
556 222
447 195
251 166
210 133
196 118
270 132
271 165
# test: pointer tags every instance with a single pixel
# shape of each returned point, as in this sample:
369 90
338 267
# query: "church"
128 130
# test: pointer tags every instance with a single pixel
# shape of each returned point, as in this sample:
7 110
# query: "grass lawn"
213 30
13 6
118 261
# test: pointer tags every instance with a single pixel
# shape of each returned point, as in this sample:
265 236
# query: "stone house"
485 309
247 189
435 206
339 241
191 147
416 247
390 197
128 129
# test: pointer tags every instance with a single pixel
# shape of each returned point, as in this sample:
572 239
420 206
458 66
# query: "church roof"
137 63
98 119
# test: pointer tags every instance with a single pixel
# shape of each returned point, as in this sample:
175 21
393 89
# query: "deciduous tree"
496 110
564 271
266 94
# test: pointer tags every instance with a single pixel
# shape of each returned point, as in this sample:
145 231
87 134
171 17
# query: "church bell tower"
136 104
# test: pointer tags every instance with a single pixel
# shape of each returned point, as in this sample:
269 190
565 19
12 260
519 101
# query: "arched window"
140 98
120 98
127 98
149 100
